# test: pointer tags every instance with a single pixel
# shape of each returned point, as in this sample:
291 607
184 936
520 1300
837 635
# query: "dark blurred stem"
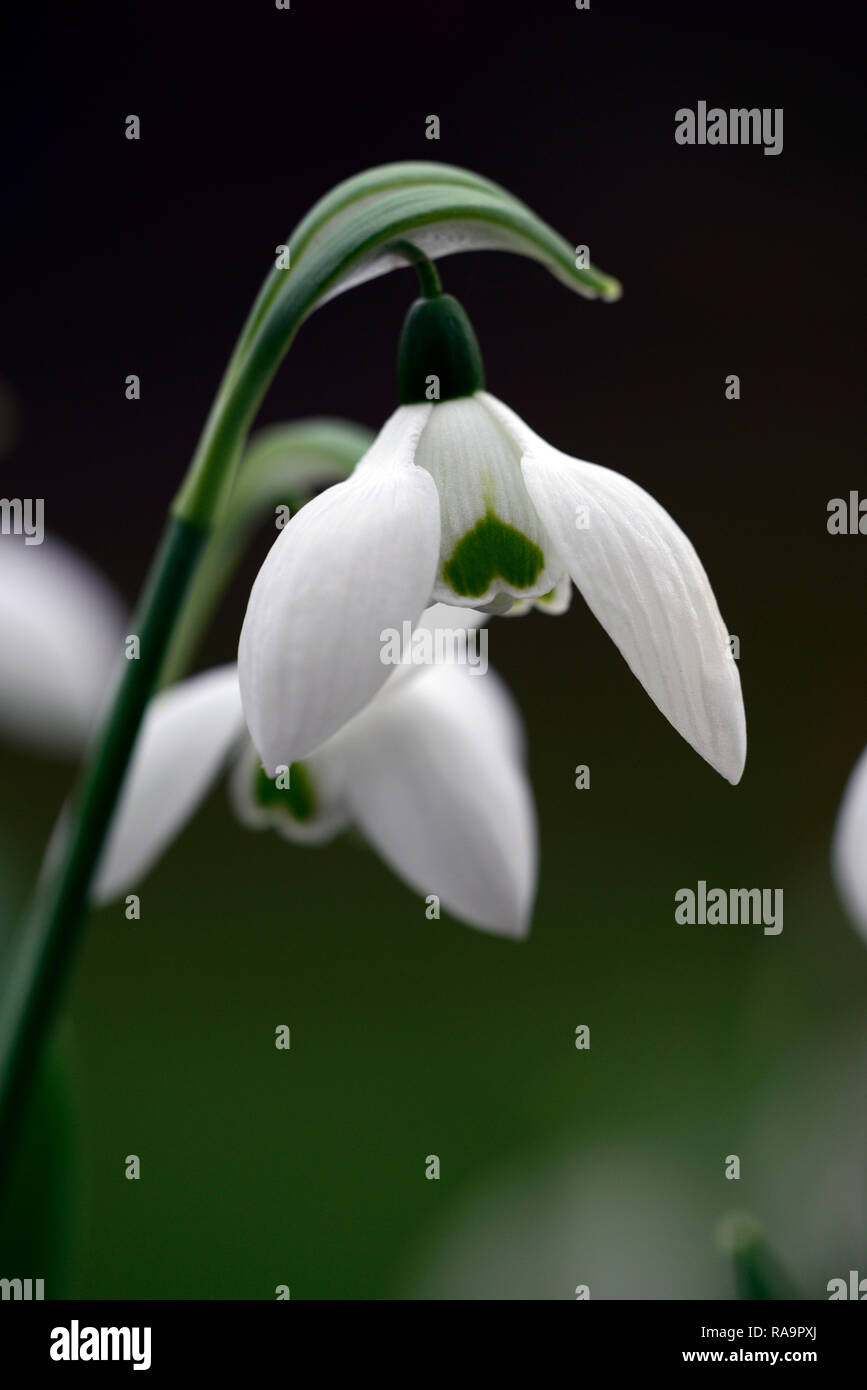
44 952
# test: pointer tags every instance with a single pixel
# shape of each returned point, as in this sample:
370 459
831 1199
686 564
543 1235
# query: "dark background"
261 1168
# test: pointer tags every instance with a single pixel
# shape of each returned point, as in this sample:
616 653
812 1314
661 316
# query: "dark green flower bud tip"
439 357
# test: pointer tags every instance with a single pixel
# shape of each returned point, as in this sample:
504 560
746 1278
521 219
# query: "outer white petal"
643 580
433 780
486 702
61 638
184 742
356 560
849 848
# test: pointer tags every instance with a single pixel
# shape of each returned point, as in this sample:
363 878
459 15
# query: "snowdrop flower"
430 772
459 501
849 849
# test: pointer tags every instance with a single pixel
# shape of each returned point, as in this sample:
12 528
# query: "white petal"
450 615
61 638
183 743
324 777
444 632
849 849
433 780
358 559
477 469
641 577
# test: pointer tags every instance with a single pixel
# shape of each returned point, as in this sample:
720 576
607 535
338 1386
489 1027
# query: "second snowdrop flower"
431 772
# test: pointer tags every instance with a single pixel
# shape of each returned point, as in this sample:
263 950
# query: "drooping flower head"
459 501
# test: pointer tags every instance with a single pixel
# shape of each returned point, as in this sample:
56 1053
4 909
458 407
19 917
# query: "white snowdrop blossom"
458 501
430 772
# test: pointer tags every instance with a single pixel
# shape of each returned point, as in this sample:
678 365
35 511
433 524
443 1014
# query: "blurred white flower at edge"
625 1219
849 847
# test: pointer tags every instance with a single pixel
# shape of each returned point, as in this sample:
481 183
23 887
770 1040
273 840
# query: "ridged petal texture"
641 577
357 560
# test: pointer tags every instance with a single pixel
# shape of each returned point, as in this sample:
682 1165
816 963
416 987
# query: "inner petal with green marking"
290 792
492 550
492 542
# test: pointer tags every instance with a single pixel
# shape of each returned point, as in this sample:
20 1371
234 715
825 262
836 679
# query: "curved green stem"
428 278
369 185
40 965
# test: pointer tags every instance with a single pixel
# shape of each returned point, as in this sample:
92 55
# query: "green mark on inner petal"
493 550
298 799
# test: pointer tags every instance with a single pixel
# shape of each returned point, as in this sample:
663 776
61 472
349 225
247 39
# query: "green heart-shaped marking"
298 800
493 550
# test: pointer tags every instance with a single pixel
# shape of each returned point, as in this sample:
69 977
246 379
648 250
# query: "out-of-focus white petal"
849 848
185 739
433 780
312 808
61 639
628 1220
643 580
358 559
